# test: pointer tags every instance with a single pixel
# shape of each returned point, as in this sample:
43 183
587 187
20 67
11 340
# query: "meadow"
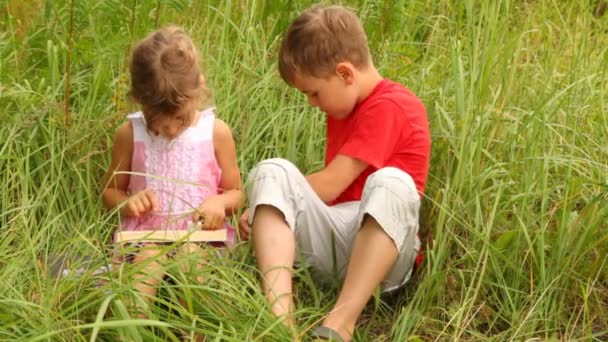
514 216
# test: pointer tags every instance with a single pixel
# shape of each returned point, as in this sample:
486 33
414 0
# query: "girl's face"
171 127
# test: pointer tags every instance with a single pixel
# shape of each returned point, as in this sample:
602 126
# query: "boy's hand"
212 213
140 204
244 228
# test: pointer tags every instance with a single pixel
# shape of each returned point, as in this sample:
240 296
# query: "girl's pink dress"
182 172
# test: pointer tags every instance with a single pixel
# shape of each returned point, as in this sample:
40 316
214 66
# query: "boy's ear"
345 72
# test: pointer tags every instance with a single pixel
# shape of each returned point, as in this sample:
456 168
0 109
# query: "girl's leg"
145 282
192 258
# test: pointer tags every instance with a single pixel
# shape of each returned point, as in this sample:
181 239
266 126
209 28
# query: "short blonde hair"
165 74
319 39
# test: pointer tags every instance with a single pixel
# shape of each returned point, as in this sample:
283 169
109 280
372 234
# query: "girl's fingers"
143 200
151 197
133 208
141 203
208 222
140 206
196 217
212 221
217 222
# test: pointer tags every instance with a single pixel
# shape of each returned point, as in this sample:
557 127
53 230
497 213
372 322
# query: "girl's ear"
345 72
205 92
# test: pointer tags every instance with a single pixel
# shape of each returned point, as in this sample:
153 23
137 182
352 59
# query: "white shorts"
325 234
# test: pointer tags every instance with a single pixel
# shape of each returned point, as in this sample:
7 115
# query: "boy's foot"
323 333
195 338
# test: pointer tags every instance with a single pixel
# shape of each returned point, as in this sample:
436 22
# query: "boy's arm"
330 182
115 185
225 154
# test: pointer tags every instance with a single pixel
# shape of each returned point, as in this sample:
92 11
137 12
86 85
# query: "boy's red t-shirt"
387 128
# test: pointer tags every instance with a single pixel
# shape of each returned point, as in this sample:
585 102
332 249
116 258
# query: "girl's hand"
212 213
244 228
141 203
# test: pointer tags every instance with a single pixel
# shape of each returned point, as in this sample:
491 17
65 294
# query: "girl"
172 164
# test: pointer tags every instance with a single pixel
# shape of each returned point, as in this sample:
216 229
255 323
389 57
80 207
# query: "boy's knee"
274 166
390 196
273 173
276 182
394 180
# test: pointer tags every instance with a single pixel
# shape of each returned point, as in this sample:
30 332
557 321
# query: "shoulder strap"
206 122
138 122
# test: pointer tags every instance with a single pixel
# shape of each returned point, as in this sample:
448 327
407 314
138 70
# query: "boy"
359 215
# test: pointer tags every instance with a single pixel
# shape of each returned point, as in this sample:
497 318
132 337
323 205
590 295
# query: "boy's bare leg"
275 252
373 255
146 281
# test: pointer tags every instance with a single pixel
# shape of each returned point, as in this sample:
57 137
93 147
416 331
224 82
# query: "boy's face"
334 95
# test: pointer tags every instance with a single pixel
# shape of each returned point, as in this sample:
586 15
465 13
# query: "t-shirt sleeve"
375 134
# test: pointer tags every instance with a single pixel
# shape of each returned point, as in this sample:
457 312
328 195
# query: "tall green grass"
516 206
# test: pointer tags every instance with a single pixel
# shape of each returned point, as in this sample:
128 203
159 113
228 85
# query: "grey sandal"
75 266
325 333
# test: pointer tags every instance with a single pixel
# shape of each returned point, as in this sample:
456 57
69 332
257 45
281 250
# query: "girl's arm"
115 183
225 154
215 208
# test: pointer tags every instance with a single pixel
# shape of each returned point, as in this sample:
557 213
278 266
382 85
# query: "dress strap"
138 122
205 123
